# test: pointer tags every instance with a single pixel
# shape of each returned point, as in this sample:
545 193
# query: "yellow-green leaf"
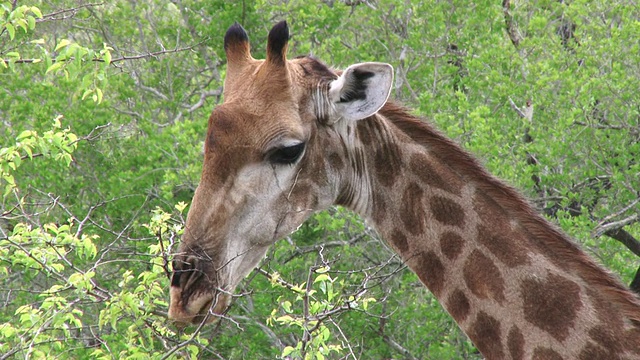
32 22
107 57
86 93
11 30
55 66
99 95
62 43
36 11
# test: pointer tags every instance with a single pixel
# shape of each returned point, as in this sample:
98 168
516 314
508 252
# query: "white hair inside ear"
361 90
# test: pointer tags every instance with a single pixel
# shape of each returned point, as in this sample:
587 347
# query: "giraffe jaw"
206 307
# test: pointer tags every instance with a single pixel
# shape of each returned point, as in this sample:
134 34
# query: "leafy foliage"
545 93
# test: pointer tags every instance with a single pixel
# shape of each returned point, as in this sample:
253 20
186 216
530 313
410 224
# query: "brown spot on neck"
387 167
508 246
458 305
486 334
430 270
483 277
451 244
399 241
432 175
515 343
551 304
541 353
447 211
412 213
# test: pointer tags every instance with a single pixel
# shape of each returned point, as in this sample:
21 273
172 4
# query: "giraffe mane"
547 237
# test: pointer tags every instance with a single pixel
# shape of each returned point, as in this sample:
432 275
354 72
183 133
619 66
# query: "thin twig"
116 60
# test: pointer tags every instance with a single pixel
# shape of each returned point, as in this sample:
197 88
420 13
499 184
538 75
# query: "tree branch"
512 30
116 60
625 238
603 227
74 11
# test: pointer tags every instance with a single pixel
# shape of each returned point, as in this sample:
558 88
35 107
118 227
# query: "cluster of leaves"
88 222
56 143
21 17
65 56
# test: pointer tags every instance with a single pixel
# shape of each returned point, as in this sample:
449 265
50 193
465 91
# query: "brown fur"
546 354
515 343
446 211
451 244
485 333
552 304
431 272
459 305
483 278
508 247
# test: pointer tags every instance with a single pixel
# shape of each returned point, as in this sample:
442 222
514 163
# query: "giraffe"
294 136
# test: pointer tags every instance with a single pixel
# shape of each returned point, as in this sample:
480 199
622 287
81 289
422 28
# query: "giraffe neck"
516 285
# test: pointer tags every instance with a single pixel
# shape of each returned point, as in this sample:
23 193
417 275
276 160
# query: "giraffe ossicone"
293 137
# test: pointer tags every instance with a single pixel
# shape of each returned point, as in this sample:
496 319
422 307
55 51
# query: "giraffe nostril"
177 272
175 278
191 272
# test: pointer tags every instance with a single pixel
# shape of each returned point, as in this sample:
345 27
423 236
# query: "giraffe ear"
361 90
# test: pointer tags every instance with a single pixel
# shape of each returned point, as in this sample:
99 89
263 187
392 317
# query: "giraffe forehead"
261 107
250 123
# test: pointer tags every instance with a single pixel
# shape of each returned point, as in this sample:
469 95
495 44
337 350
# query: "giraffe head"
276 150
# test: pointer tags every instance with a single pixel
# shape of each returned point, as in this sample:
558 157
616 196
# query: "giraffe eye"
286 155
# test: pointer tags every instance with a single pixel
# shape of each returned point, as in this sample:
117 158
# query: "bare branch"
615 225
397 347
622 211
116 60
601 126
153 54
526 112
626 239
73 11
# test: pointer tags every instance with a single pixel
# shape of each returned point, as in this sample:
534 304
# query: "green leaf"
23 24
286 305
36 11
62 43
99 95
7 330
11 30
29 152
32 22
86 93
107 57
55 66
25 134
287 351
321 278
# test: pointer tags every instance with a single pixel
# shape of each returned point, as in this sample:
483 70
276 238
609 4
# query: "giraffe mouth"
203 309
